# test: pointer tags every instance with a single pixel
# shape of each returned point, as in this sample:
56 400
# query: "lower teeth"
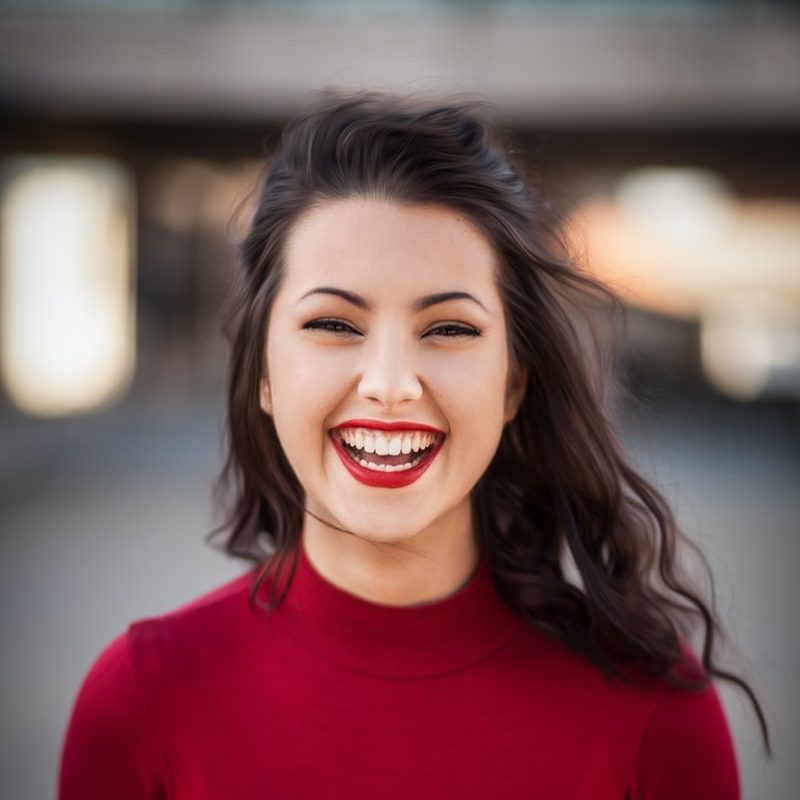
384 467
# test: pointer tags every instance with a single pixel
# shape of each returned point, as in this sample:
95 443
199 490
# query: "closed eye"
339 327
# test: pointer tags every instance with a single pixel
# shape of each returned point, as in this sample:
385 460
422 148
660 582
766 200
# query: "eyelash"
339 327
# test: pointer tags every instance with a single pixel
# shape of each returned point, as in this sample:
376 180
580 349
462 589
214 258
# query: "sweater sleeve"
686 750
108 746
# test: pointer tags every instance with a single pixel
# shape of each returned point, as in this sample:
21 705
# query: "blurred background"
667 134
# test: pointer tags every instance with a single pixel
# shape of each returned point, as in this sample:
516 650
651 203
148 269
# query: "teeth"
384 467
385 444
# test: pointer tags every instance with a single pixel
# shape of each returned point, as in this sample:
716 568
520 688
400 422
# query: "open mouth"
380 451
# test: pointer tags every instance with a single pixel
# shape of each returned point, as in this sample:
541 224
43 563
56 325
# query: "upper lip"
381 425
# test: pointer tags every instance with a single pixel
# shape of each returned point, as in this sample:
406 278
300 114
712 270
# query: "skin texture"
414 544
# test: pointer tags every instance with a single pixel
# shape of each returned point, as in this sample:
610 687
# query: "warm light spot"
681 207
66 299
670 240
750 342
675 241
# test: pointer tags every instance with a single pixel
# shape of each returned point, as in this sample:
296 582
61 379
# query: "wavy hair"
580 500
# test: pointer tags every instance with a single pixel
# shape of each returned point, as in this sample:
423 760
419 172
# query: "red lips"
386 480
378 425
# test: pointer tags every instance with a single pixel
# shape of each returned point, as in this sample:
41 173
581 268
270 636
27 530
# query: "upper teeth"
385 444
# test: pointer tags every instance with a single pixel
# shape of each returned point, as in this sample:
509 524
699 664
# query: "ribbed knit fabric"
338 697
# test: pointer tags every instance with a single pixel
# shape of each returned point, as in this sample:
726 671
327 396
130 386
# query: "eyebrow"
420 304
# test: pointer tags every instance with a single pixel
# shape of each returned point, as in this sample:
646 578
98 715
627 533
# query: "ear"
265 397
515 394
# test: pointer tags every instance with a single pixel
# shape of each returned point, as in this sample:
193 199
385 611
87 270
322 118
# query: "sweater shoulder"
678 741
110 747
148 645
113 745
226 599
686 748
162 643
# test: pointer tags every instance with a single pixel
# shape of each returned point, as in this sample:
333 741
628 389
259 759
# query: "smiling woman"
419 448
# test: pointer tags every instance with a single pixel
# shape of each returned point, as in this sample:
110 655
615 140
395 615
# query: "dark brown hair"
579 498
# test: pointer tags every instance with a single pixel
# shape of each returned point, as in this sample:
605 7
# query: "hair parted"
559 485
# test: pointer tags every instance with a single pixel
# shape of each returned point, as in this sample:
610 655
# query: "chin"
378 528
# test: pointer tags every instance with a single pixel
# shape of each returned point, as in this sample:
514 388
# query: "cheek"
482 424
306 389
472 396
475 385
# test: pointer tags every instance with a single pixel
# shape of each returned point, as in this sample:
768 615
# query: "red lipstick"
388 426
376 478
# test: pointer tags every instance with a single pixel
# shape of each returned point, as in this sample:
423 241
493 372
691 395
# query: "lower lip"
384 480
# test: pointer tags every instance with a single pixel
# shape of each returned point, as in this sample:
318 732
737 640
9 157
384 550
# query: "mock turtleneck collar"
396 641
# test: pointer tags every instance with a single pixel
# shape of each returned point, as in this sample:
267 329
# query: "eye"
451 330
330 325
339 327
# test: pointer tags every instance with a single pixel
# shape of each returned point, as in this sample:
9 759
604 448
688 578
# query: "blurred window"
67 304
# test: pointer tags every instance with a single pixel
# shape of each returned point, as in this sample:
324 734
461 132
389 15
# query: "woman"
418 448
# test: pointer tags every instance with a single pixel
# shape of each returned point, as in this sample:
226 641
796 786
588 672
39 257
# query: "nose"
389 374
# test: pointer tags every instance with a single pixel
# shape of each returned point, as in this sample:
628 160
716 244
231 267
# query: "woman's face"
386 347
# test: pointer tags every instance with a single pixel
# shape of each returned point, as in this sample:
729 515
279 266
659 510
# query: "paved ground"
103 522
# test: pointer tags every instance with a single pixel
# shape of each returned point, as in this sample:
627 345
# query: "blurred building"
665 132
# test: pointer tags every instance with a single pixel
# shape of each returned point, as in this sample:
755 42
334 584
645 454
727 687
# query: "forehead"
389 249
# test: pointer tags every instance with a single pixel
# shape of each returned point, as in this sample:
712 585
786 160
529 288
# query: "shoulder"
685 748
110 690
114 743
162 645
673 743
109 742
125 671
113 746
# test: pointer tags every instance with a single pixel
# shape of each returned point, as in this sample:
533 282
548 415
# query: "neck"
422 568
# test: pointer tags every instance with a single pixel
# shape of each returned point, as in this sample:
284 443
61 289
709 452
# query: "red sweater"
338 697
